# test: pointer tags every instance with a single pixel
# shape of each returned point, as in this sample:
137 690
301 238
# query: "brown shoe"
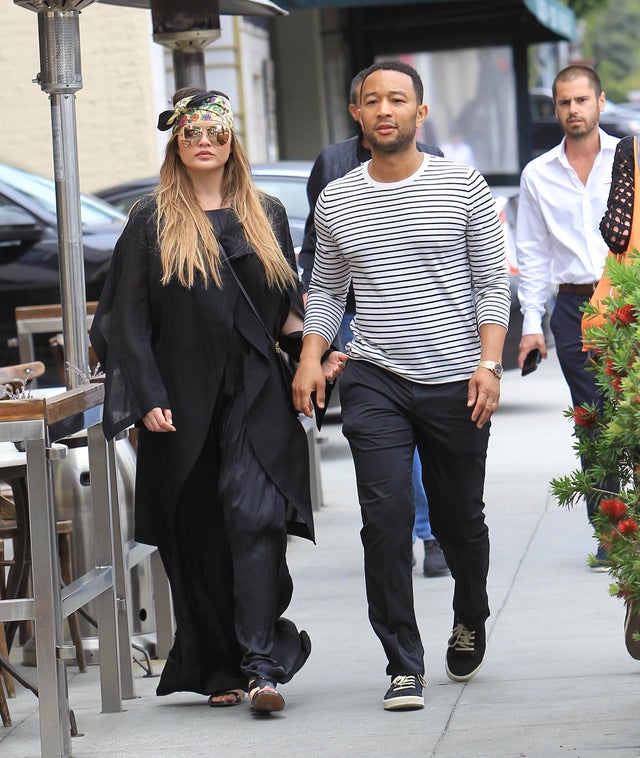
631 628
264 698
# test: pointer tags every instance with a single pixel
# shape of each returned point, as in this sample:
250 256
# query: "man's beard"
581 132
400 144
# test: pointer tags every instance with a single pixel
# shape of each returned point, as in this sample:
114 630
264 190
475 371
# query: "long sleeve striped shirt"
427 261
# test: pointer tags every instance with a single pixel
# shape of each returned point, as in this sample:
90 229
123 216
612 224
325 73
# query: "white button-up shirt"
557 235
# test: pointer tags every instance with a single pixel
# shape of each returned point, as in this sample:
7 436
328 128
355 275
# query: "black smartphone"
531 361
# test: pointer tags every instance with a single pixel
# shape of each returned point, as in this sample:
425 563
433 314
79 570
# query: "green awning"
537 20
557 17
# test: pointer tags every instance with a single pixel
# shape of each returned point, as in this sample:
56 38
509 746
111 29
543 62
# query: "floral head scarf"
212 106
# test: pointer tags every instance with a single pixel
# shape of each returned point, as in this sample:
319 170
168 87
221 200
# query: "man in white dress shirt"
563 196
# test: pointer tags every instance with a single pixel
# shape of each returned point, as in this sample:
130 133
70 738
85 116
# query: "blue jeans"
565 323
422 527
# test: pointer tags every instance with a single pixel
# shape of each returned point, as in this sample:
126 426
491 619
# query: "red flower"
583 417
611 370
628 526
624 315
614 509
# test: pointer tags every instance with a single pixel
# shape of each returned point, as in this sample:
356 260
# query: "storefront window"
472 106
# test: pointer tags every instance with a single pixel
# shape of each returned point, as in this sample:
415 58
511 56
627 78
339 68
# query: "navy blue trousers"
565 323
384 418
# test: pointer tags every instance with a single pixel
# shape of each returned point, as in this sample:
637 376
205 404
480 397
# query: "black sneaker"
631 628
435 563
465 652
405 693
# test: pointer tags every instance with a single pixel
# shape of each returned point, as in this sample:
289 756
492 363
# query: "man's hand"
528 343
159 420
484 395
310 376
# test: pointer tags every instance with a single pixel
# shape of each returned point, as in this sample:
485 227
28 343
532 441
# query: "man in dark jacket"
332 163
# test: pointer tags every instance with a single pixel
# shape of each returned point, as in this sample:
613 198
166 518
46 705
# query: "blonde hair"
188 244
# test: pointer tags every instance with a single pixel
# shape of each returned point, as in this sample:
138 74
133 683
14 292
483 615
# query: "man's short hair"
353 89
403 68
570 73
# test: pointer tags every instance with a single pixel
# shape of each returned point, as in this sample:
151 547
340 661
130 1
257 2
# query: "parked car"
546 132
287 180
29 271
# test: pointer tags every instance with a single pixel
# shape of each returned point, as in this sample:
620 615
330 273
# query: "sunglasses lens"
220 134
191 135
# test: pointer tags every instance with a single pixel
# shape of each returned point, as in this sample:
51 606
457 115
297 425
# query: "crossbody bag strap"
252 306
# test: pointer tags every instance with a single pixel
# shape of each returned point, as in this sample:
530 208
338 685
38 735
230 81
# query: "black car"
29 272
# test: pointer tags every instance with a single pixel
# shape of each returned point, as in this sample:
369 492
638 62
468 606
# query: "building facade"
127 80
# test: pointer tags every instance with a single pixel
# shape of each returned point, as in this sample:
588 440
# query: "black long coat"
165 346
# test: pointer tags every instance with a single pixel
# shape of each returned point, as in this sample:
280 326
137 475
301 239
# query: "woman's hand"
333 365
159 420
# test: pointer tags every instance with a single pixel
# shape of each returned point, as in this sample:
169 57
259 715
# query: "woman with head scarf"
202 290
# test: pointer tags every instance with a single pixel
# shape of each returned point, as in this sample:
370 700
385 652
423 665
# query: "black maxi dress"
219 495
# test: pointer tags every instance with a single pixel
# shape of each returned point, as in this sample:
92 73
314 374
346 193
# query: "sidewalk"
556 681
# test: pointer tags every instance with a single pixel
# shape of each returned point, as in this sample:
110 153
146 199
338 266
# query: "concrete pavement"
556 681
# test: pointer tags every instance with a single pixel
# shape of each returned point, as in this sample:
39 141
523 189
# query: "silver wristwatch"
493 366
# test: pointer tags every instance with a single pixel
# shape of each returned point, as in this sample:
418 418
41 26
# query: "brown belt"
578 289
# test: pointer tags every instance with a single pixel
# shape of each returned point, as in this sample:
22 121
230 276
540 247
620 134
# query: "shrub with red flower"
624 315
614 509
608 436
628 526
612 371
584 417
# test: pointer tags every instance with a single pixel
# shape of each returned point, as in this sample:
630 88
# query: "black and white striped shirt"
426 256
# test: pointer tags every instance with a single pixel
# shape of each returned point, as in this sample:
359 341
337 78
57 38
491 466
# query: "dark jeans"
565 323
384 418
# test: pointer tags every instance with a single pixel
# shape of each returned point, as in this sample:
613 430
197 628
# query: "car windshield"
42 191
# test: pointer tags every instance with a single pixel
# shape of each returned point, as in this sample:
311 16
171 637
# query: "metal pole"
61 77
55 732
188 67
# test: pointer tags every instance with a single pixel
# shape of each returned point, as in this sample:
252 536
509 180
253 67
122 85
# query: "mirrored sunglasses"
192 134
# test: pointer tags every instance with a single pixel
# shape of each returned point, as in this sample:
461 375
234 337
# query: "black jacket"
332 163
166 346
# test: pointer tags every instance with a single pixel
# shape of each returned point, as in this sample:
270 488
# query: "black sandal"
264 699
238 698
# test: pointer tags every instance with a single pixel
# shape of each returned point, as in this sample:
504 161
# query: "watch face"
498 370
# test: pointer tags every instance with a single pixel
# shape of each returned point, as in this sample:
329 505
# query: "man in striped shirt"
419 238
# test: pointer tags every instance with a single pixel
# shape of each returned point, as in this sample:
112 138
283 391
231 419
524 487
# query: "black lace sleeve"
615 226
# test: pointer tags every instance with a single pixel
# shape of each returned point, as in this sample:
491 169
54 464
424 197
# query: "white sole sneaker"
405 693
465 677
404 703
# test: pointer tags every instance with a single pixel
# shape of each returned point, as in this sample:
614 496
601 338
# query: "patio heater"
60 77
187 29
